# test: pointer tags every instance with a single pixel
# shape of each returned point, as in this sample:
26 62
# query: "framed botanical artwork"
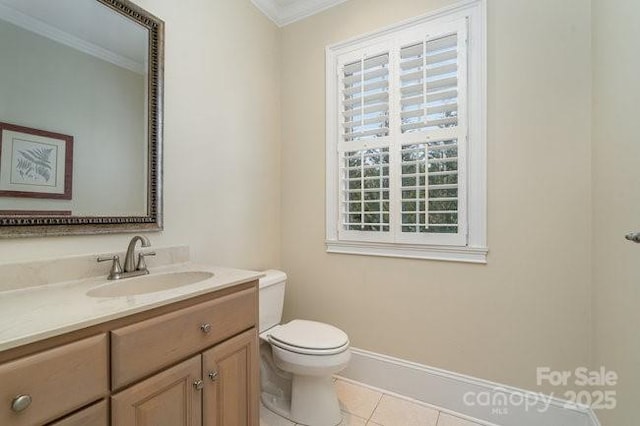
35 163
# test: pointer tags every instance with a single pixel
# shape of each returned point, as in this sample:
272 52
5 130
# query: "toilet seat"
309 338
307 351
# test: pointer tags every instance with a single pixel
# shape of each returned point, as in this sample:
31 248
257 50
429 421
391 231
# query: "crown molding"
295 11
38 27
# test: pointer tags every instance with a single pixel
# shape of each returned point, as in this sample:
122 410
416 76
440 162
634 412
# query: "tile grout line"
375 408
381 394
475 421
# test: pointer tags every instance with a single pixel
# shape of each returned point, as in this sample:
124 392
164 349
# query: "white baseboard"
492 403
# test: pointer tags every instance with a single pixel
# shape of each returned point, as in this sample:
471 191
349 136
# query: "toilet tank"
271 296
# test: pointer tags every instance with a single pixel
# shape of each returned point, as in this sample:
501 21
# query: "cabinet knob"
20 403
633 236
213 375
198 385
205 328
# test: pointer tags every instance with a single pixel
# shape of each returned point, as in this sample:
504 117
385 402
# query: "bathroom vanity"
181 356
177 347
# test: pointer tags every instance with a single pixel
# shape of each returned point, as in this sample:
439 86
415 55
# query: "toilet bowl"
298 360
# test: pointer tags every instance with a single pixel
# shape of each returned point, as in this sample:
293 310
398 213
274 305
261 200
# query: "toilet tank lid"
272 276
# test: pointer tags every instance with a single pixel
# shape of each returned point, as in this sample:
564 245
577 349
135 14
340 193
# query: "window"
406 139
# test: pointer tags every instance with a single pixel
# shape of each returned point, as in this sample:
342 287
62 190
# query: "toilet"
298 360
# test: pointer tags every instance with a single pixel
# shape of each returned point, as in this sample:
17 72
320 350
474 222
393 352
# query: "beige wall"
530 305
222 135
616 186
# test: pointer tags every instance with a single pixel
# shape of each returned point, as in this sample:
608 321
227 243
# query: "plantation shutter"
429 84
366 98
402 139
364 168
366 190
406 139
432 84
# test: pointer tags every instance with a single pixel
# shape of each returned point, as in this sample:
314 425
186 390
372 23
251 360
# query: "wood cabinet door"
170 398
232 385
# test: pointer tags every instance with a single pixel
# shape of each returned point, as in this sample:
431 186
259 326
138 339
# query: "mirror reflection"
73 110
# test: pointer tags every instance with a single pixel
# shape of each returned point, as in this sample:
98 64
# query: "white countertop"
33 314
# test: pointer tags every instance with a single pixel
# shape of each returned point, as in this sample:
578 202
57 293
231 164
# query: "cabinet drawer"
58 381
95 415
141 349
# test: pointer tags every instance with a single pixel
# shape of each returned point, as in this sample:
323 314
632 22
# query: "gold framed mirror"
81 118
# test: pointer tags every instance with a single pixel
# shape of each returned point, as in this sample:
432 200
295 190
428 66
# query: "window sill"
409 251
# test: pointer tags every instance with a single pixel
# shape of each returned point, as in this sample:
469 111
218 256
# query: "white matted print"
34 163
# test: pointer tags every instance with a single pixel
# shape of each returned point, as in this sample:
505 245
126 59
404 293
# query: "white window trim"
475 250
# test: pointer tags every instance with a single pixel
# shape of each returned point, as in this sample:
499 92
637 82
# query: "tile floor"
362 406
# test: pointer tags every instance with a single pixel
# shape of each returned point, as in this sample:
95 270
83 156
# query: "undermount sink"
149 284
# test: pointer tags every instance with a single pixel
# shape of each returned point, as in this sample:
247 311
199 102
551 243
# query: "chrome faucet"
131 269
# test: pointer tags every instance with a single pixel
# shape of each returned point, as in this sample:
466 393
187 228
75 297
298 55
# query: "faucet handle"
142 265
116 269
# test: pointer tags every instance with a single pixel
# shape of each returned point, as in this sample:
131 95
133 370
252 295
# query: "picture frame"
35 163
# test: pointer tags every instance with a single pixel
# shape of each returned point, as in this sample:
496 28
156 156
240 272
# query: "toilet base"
314 401
280 406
